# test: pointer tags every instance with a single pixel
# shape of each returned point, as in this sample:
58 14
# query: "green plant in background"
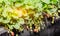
14 13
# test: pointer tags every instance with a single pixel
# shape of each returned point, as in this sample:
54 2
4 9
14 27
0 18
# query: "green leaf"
1 19
46 1
1 1
21 21
54 10
36 15
26 1
58 3
6 21
12 0
1 9
18 4
10 26
7 2
16 26
54 1
4 14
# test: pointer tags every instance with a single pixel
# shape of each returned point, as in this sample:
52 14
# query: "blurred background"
30 17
